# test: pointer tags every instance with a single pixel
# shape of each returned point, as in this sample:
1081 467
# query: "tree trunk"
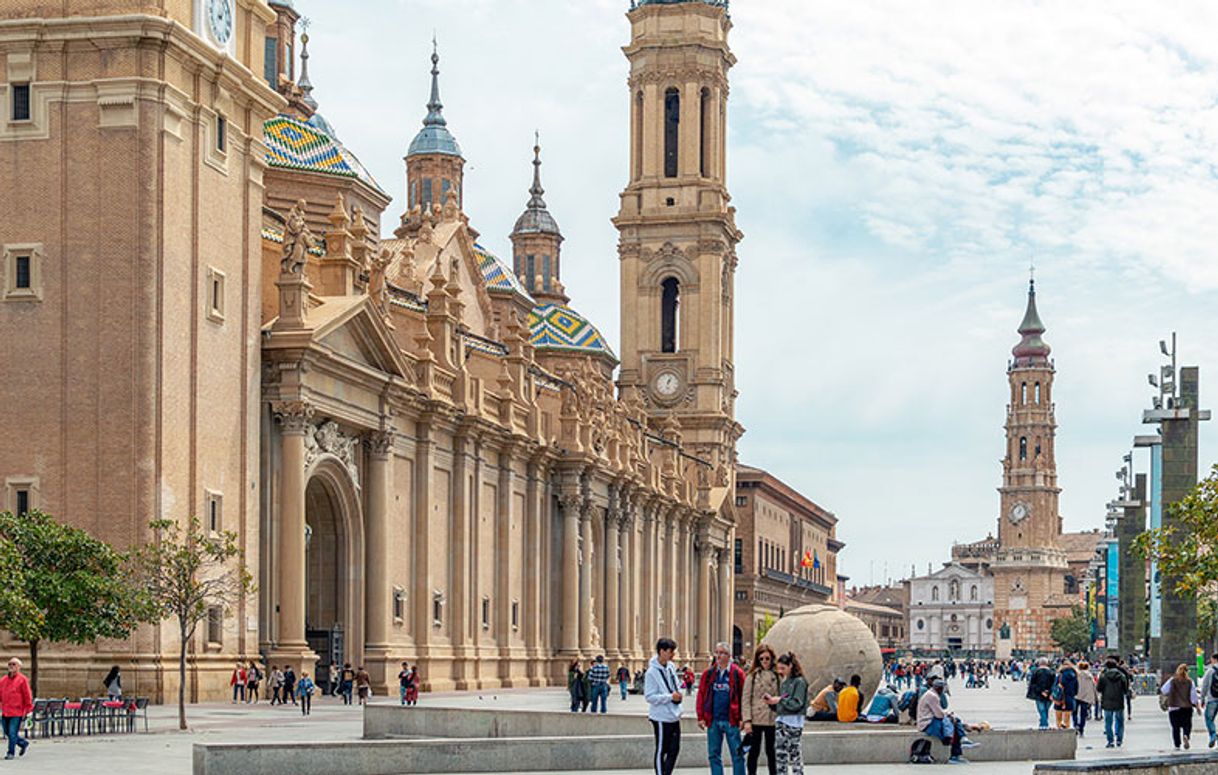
34 667
182 677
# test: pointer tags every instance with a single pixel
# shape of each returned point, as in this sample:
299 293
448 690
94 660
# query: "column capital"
380 442
294 416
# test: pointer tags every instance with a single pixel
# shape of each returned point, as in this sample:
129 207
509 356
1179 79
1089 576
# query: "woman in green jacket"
790 706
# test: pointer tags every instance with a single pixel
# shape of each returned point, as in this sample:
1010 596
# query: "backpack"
919 752
1214 683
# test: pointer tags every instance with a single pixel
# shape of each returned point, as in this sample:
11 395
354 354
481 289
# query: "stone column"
726 595
377 543
704 642
612 597
421 590
532 566
669 576
585 578
571 568
464 556
683 578
501 598
295 418
647 576
628 645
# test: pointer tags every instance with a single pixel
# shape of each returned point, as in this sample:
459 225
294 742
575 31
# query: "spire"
434 137
1031 345
536 219
306 86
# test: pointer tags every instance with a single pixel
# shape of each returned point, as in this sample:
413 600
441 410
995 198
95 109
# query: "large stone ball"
828 642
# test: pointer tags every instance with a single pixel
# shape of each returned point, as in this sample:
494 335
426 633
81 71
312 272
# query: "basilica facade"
426 452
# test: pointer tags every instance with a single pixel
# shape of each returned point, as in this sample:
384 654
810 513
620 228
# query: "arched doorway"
737 642
334 573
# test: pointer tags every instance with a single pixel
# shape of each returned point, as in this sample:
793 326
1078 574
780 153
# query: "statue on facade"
296 239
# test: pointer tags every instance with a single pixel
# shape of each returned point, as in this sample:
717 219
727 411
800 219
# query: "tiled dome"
555 327
294 144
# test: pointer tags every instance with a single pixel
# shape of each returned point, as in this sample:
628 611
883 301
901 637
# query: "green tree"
67 586
1187 549
763 627
1072 633
186 573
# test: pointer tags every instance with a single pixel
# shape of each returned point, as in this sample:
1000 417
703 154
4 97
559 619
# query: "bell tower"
677 232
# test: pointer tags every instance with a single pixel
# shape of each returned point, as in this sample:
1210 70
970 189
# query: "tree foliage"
185 573
1072 633
1187 549
764 626
62 584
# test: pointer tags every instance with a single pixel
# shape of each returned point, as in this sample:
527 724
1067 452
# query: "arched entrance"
737 642
334 573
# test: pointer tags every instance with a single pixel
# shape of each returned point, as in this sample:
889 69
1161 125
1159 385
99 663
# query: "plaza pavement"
167 751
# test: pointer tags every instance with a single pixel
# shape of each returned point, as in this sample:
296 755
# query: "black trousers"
668 745
1181 723
761 735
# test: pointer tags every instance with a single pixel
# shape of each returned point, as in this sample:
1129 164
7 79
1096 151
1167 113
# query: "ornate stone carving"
294 416
296 241
380 443
328 439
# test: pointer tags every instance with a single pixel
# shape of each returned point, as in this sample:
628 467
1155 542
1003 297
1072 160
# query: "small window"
215 295
444 188
530 270
1038 392
20 101
486 613
427 193
437 609
972 593
23 502
742 500
215 624
672 131
1023 447
1023 393
545 273
221 134
934 594
270 62
399 604
214 509
738 554
515 614
921 624
22 277
670 319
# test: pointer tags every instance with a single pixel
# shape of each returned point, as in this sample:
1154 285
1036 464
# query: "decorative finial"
306 86
435 108
1032 275
536 190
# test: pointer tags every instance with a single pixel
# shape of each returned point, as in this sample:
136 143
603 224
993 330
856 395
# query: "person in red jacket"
719 693
16 702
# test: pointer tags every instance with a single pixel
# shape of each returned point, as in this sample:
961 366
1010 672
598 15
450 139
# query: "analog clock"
220 20
667 384
1019 512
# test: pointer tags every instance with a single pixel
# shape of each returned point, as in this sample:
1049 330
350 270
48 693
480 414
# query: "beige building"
884 609
421 446
785 553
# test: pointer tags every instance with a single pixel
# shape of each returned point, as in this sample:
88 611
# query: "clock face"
1019 512
220 20
667 384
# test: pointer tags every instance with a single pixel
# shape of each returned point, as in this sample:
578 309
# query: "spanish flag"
807 561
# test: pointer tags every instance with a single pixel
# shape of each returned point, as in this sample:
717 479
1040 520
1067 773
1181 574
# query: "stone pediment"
355 331
954 571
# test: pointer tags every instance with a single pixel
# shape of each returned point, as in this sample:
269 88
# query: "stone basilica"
426 452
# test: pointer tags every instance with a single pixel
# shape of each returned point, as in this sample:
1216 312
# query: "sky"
897 168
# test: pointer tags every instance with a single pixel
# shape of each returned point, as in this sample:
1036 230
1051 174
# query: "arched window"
704 147
638 135
972 592
672 131
934 594
1038 392
670 318
1023 447
1023 393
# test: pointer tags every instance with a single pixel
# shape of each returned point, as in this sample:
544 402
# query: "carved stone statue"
378 291
296 239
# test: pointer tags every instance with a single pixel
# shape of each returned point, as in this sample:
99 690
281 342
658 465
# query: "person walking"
412 686
790 706
1182 698
346 682
1065 689
623 680
403 682
757 716
1112 687
237 681
718 705
1040 689
363 685
575 684
275 681
662 691
16 702
1086 698
1209 695
253 677
113 683
304 690
289 684
598 677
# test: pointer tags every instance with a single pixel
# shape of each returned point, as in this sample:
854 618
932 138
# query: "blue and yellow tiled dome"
498 275
555 327
295 144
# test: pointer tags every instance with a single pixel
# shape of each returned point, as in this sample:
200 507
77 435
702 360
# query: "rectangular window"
20 101
399 604
215 294
23 502
515 614
486 613
215 624
21 266
530 268
742 500
739 555
427 193
270 62
545 273
221 134
437 609
214 509
444 187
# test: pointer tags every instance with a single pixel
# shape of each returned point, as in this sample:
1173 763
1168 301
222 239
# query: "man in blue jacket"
662 690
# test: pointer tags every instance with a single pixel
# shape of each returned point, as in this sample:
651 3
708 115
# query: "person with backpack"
790 708
1179 698
883 708
304 690
1065 690
253 677
275 682
363 685
347 683
1086 698
623 680
1209 694
662 691
1040 689
1112 688
757 716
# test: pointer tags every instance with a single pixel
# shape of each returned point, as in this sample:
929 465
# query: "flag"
807 561
816 561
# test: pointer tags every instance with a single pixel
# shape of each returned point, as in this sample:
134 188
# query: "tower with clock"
678 235
1030 566
215 21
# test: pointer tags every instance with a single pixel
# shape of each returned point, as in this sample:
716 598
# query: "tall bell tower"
1030 566
678 235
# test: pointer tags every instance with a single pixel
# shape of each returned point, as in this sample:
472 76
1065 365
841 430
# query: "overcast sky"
896 166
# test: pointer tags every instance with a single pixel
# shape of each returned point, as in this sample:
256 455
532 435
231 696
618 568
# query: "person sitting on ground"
849 700
824 705
883 709
934 721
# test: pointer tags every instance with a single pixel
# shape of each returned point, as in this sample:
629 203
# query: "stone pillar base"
300 657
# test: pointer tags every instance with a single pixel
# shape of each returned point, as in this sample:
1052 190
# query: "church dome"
556 327
434 137
311 146
1031 345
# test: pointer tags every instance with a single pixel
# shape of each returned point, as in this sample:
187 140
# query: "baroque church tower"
1030 565
678 233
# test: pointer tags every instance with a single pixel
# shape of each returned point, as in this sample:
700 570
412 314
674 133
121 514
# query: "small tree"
764 626
1187 550
63 585
1072 633
185 574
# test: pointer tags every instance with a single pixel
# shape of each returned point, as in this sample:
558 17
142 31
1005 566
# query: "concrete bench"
584 753
1166 764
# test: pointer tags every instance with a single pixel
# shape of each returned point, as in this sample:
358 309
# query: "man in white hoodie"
662 691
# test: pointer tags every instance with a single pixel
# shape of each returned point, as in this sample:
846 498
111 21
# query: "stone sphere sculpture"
828 642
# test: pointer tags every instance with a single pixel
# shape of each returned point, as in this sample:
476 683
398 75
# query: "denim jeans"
1042 709
714 747
1114 718
1081 711
1211 710
600 694
12 730
947 731
622 686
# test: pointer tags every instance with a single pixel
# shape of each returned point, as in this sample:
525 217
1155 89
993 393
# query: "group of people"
589 689
284 686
